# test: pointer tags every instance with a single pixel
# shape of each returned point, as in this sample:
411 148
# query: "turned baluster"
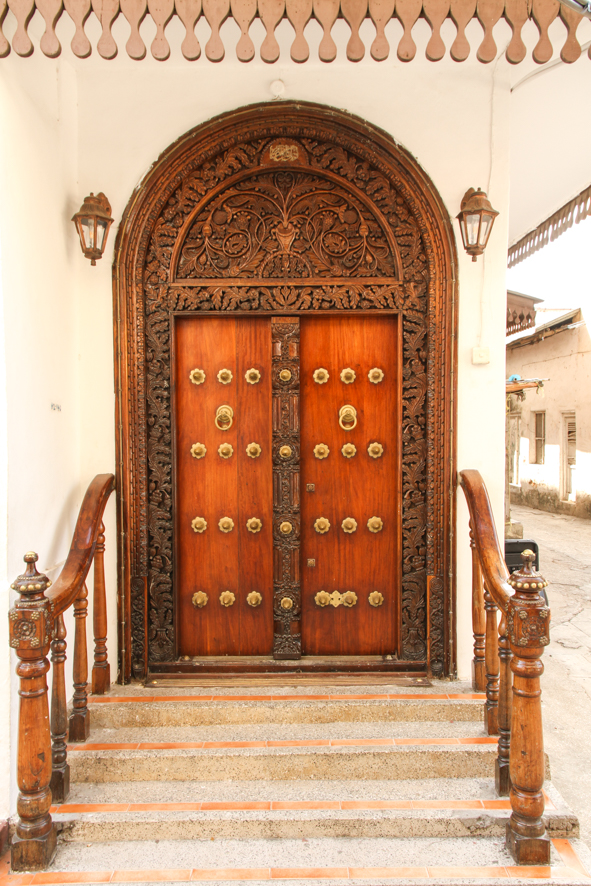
80 716
60 777
101 671
30 628
492 665
478 622
528 621
502 776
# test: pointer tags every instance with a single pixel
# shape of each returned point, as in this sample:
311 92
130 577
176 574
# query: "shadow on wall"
547 498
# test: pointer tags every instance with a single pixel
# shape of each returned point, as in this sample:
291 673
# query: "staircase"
313 783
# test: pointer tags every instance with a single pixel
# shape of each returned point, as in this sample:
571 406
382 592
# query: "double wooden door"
287 441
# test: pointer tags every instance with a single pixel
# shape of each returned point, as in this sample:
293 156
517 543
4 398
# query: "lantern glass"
86 230
472 226
485 228
101 230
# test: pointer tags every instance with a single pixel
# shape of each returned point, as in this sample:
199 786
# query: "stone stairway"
307 783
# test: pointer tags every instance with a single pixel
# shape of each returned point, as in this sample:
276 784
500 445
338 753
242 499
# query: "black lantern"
476 219
93 221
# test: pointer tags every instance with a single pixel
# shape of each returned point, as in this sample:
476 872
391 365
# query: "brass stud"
321 525
225 376
227 598
286 528
349 450
348 376
285 375
375 375
253 450
321 376
375 599
226 524
349 525
285 452
375 450
226 450
252 376
197 376
322 598
199 524
321 450
254 599
349 599
375 524
253 524
198 450
199 600
286 603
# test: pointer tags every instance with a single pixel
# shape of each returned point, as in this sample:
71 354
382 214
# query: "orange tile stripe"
305 743
271 805
450 696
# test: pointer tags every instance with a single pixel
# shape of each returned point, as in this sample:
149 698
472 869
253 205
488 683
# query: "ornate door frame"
391 248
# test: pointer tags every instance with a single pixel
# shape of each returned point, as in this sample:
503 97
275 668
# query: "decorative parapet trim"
517 13
568 215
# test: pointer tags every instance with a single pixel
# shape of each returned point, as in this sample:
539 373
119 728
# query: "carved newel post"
30 628
528 624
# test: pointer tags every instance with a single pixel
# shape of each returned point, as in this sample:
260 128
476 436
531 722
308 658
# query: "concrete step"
142 709
327 861
334 759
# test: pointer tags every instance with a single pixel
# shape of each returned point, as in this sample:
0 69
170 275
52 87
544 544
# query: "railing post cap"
31 581
526 579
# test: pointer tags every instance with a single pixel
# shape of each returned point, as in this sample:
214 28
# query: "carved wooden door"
287 479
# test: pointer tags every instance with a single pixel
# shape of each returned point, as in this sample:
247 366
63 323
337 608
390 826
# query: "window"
540 437
569 457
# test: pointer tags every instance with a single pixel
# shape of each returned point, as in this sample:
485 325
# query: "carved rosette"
287 641
179 248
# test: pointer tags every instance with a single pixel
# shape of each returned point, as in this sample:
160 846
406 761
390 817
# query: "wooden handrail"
513 650
81 553
492 561
36 625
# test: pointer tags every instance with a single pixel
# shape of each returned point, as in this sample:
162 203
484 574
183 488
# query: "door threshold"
369 668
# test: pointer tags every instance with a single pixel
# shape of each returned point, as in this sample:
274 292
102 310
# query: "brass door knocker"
224 417
348 417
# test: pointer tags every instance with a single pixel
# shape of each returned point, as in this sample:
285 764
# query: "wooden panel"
360 487
213 487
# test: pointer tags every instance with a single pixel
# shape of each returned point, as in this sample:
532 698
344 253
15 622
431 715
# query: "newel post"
528 624
30 630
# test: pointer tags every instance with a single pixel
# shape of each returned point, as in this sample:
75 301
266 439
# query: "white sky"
560 273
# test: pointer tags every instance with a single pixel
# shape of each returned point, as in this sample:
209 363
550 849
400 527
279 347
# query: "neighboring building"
549 436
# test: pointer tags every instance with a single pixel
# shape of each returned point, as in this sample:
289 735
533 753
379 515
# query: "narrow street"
565 561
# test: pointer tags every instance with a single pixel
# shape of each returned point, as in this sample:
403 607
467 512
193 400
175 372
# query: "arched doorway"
263 249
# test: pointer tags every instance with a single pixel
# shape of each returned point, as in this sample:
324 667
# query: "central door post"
287 637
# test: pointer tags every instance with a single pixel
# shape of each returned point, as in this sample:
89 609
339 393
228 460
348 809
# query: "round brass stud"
197 376
349 450
321 376
322 598
375 598
199 600
321 450
285 375
286 603
286 528
198 450
226 450
349 598
199 524
252 376
285 452
321 525
254 599
226 524
375 375
253 450
225 376
227 598
375 450
348 376
253 524
375 524
349 525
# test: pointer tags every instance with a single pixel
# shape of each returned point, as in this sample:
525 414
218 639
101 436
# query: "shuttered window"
540 437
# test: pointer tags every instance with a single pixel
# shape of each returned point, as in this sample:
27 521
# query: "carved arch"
356 226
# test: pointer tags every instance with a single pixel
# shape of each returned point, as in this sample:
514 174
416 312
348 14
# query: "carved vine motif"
285 224
408 294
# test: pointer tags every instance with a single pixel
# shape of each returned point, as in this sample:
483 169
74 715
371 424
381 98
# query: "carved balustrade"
509 668
36 627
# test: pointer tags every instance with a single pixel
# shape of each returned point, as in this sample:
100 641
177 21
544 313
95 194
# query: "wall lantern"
93 221
476 219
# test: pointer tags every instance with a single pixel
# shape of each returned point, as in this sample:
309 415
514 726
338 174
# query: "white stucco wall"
68 129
